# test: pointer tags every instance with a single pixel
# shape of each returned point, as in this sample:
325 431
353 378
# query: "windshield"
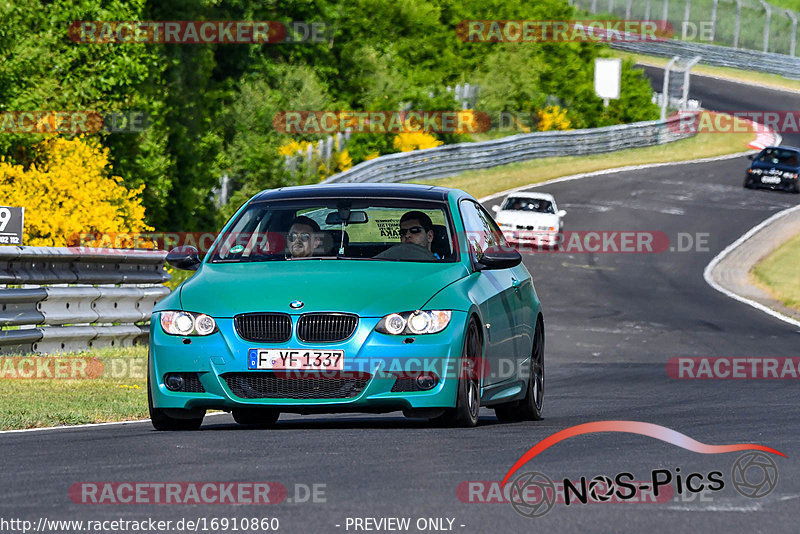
364 229
780 156
538 205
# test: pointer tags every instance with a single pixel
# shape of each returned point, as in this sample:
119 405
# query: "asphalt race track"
612 322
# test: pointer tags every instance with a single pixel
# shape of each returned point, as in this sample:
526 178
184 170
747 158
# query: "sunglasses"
295 236
413 230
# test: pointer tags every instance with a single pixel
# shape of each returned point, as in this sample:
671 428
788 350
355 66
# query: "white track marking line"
89 425
730 248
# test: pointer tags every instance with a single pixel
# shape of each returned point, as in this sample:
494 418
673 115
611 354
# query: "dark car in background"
775 167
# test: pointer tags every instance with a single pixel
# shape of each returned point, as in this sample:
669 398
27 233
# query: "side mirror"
500 258
752 157
562 213
186 258
496 208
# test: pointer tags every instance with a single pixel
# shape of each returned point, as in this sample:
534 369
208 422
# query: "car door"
495 293
522 314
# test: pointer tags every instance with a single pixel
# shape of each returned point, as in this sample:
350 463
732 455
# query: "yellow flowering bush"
408 141
343 161
371 155
67 191
553 118
290 148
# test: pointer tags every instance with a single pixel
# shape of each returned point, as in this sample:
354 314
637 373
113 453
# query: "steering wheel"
408 252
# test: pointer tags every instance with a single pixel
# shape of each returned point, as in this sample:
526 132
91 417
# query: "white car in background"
530 218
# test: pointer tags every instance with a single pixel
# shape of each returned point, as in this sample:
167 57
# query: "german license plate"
295 359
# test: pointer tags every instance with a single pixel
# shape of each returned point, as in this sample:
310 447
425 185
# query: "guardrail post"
793 17
665 88
713 19
768 10
686 74
737 23
686 11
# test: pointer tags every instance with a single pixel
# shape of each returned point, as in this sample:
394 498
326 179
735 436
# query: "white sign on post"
607 75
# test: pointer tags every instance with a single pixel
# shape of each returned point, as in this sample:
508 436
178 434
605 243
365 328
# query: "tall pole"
665 88
793 17
713 19
768 11
737 23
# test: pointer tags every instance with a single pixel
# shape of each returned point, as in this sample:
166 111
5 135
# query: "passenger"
304 237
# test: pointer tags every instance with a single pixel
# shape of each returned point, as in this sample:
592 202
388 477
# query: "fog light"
173 382
426 381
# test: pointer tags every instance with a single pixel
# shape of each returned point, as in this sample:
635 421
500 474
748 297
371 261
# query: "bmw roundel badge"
296 304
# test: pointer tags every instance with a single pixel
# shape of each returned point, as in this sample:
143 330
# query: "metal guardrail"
98 298
448 160
720 56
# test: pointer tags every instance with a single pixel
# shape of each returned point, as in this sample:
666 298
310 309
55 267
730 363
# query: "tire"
256 417
748 184
162 421
468 395
529 408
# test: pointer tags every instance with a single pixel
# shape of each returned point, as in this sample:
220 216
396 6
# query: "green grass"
485 182
779 273
118 394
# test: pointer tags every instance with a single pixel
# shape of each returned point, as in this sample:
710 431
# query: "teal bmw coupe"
350 298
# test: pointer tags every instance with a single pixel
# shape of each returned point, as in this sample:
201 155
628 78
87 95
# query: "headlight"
180 323
414 323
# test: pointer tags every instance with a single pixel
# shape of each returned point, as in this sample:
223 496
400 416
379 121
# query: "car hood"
527 218
367 288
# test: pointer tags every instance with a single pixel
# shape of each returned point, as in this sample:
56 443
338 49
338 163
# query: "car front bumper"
785 184
539 238
378 357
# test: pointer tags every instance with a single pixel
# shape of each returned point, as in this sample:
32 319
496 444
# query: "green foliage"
211 106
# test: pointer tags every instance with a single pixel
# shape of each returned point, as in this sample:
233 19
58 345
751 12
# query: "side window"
497 239
478 231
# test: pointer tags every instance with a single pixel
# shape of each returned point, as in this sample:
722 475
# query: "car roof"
543 196
367 190
783 147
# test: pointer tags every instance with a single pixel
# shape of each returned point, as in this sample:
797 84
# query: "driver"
304 237
417 228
